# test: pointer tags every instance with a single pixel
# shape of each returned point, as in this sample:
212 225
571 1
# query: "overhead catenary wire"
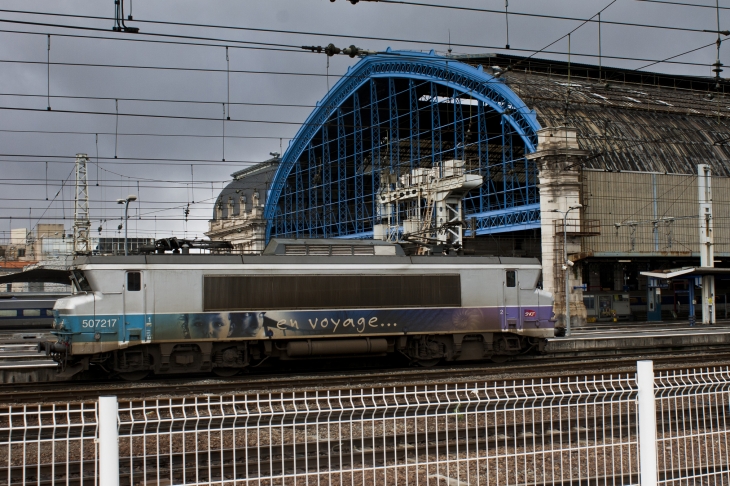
314 74
122 134
599 46
717 66
166 68
682 4
116 134
48 78
228 82
506 21
331 34
116 127
250 44
389 39
159 100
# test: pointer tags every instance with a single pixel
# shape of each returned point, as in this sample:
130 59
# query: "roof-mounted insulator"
331 50
717 68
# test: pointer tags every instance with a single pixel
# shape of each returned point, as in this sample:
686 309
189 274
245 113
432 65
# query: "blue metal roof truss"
421 107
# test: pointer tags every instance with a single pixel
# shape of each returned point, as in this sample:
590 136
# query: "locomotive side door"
134 307
511 311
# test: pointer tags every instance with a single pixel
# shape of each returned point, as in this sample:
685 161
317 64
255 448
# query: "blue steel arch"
462 78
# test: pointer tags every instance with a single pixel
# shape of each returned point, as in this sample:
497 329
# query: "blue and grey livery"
300 299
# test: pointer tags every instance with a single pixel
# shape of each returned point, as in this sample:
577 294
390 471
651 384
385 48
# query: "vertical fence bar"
647 422
108 441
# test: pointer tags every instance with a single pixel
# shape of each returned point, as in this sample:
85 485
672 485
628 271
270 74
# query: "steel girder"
460 78
517 218
360 210
375 150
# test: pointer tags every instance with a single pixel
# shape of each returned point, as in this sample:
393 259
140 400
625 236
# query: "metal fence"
668 428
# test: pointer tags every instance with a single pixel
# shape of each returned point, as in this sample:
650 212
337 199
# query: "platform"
618 338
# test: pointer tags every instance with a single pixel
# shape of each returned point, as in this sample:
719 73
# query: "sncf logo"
530 313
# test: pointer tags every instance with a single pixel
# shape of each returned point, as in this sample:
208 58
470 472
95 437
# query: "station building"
623 148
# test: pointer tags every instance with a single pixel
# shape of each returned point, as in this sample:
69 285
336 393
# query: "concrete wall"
18 236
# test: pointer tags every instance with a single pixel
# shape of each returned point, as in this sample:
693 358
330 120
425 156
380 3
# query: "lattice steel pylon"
82 223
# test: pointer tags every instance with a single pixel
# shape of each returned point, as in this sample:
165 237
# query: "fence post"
647 422
108 442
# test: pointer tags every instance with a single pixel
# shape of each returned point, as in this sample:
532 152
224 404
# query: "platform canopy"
45 275
687 272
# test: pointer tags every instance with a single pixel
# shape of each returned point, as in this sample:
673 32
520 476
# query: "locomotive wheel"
133 375
226 372
500 358
428 363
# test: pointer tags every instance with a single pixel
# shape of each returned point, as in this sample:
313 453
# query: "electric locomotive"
300 299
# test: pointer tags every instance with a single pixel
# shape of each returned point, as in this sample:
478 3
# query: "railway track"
528 367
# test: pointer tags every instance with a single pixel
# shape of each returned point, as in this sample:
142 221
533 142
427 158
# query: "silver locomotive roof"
309 251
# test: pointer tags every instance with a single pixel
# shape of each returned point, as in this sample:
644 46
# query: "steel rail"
534 367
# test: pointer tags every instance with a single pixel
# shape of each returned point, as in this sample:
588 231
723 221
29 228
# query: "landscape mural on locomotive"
281 324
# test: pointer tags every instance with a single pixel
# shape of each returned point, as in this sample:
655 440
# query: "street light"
126 202
566 263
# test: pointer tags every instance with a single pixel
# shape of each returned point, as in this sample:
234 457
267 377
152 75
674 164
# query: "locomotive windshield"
79 280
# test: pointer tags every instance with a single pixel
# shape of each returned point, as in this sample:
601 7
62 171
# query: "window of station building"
31 312
134 281
589 301
8 313
511 278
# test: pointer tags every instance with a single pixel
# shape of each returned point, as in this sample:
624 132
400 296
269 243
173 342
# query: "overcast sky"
165 186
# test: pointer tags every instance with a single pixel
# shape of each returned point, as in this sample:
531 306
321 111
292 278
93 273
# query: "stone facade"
559 161
238 215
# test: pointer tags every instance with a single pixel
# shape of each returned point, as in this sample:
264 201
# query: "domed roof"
245 184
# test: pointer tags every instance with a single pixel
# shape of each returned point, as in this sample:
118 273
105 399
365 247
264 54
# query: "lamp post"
126 202
566 263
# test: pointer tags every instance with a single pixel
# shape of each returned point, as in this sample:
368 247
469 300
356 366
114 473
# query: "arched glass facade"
395 112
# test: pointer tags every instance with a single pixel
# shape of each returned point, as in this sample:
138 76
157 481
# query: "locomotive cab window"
79 280
134 281
511 278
